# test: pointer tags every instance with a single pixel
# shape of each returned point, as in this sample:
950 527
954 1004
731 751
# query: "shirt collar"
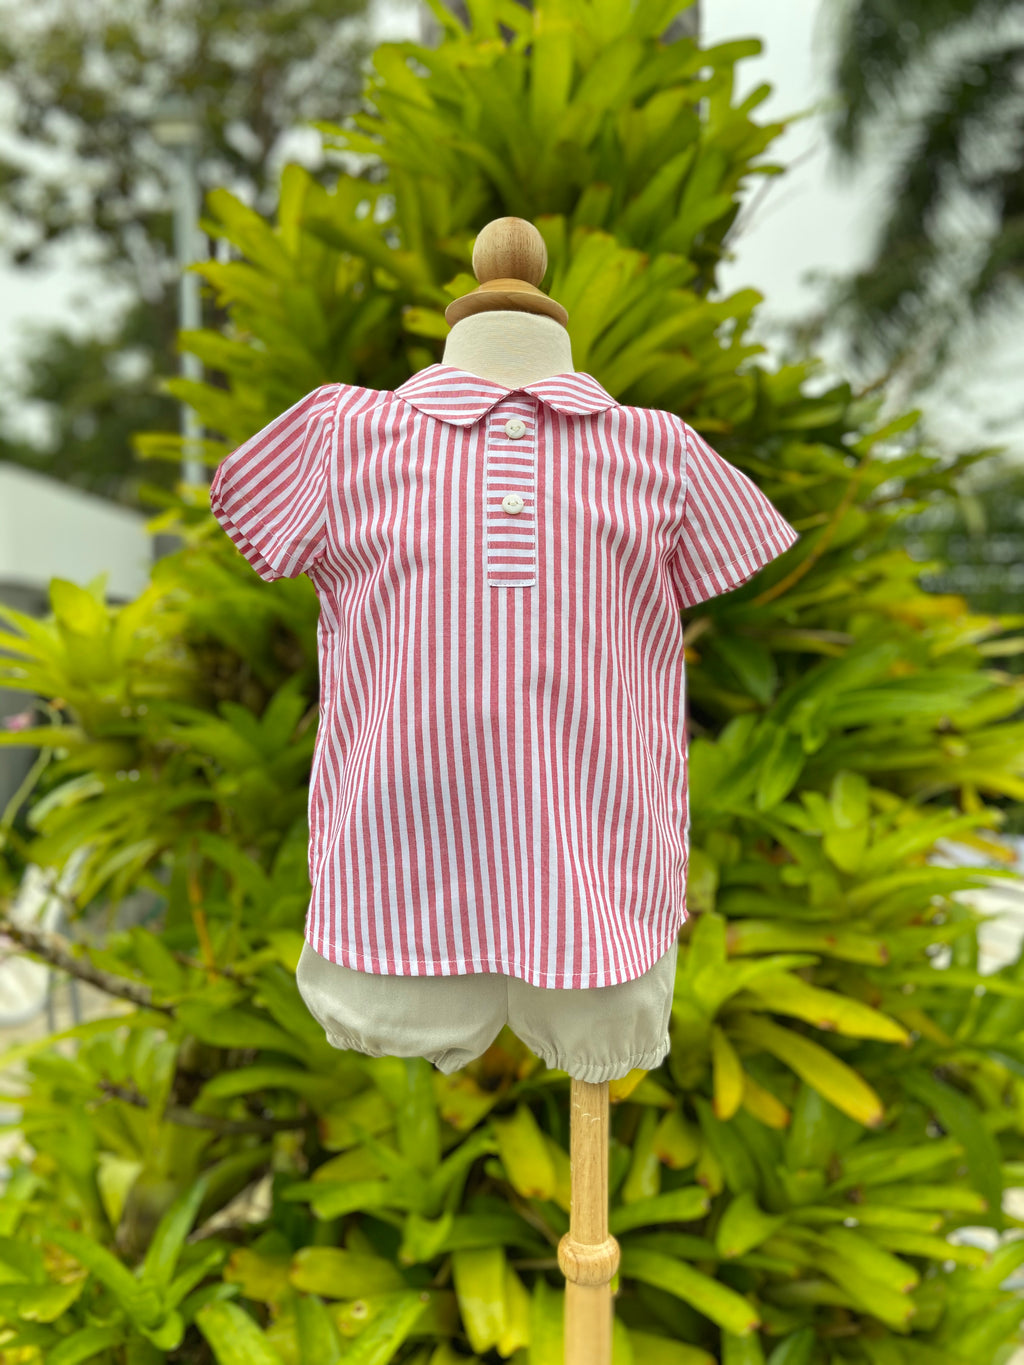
456 396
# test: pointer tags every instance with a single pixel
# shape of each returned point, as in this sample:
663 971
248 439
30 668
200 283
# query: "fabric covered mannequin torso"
593 1035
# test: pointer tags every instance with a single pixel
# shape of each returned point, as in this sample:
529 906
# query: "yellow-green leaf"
771 936
652 1350
714 1300
480 1287
643 1180
676 1142
674 1206
461 1101
516 1331
727 1075
832 1078
744 1225
38 1302
524 1153
562 1192
786 994
261 1276
623 1086
921 1244
763 1104
336 1273
871 1260
234 1337
115 1175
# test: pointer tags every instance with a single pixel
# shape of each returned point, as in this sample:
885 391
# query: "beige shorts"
596 1034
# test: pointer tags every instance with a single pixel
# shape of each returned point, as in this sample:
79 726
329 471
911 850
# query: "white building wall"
51 530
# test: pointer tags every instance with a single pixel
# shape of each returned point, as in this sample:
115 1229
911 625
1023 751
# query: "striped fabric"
499 779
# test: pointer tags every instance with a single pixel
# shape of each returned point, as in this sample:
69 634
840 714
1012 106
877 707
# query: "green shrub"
838 1099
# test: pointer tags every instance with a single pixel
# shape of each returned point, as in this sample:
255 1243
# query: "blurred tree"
943 79
80 162
977 542
84 82
685 25
96 391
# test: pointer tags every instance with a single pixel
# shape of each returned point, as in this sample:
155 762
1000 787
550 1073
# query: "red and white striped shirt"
499 782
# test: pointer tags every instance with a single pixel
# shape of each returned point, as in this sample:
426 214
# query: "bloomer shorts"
595 1034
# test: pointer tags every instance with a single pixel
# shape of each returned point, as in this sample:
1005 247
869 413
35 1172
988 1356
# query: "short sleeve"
730 530
270 494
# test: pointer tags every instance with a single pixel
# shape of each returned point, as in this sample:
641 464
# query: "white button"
515 426
512 502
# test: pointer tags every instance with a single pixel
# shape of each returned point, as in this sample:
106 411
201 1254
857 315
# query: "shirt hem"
747 564
389 965
257 555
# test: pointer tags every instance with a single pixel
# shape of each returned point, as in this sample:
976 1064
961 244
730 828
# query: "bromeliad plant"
844 1089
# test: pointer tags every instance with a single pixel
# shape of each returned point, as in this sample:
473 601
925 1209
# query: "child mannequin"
593 1035
498 812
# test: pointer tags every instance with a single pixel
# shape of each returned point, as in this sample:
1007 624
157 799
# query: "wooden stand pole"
587 1255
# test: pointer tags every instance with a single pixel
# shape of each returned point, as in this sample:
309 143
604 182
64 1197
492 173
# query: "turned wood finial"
509 260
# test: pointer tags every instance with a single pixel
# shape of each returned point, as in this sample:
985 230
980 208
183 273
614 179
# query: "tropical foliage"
845 1090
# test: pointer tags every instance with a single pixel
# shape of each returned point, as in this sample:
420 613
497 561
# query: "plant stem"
188 1118
62 953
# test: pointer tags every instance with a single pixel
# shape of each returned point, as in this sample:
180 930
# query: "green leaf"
753 664
649 1349
780 770
84 1344
77 610
234 1337
524 1153
317 1336
673 1206
839 1083
741 1350
785 994
139 1301
418 1124
795 1349
115 1176
643 1180
337 1273
425 322
814 1132
870 1259
872 1296
237 1027
171 1233
38 1302
713 1300
766 936
551 70
727 1075
479 1278
676 1142
744 1225
961 1119
262 1276
44 736
921 1244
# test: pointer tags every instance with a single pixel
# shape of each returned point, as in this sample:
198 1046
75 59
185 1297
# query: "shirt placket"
510 492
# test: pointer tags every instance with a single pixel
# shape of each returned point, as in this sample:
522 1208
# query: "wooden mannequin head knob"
509 260
510 248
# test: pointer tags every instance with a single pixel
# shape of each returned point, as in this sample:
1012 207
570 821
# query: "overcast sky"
808 222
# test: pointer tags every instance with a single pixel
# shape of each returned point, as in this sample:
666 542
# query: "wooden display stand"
509 260
587 1255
